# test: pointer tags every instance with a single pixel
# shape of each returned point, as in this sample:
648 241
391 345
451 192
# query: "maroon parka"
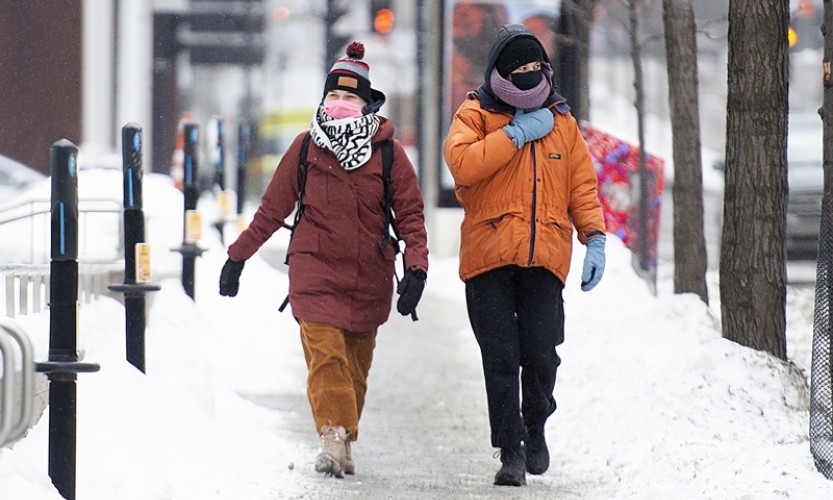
338 272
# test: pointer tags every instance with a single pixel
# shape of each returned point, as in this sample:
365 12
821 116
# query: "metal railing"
25 289
33 210
24 286
12 428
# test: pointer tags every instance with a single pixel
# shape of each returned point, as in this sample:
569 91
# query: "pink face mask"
342 108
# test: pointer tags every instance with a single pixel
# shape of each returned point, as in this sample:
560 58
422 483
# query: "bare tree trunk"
690 258
753 250
572 56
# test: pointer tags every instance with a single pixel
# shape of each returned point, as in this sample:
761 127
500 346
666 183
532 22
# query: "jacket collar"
377 99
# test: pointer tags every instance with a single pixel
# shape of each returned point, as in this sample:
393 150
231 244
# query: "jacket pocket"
493 241
496 221
307 243
555 215
565 227
557 238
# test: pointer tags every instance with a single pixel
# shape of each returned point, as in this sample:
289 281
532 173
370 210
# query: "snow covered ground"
653 403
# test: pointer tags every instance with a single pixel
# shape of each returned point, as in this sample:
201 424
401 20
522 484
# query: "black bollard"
191 230
135 286
220 164
63 364
242 160
220 178
63 316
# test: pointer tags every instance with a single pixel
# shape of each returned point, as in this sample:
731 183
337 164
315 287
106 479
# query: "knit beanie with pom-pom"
350 73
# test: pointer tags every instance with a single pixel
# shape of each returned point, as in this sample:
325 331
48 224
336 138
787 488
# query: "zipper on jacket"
534 205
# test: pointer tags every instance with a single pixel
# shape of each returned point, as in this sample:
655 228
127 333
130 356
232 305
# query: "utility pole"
333 42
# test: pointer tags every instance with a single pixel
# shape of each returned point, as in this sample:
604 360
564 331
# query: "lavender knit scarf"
529 100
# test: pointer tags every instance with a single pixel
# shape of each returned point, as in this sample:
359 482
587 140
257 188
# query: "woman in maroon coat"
340 269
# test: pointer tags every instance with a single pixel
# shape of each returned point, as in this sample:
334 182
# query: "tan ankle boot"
333 451
349 466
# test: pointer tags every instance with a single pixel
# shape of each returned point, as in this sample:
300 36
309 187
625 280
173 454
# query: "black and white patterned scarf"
348 138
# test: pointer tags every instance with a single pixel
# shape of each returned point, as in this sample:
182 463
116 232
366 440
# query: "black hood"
488 100
377 99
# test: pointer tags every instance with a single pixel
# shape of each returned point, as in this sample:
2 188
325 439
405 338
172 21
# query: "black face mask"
526 81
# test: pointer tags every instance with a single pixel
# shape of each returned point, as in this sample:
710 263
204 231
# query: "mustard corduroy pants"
338 363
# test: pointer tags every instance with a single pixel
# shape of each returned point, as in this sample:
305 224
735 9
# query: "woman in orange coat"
524 177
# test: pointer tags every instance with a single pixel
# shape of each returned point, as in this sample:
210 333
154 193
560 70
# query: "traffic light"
381 16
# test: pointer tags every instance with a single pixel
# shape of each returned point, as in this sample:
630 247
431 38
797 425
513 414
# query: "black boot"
513 470
537 454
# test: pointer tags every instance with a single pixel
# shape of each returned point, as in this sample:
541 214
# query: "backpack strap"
303 166
387 164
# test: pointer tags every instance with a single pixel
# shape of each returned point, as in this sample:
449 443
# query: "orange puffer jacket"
520 204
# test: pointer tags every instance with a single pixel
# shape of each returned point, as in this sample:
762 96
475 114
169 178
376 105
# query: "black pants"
517 315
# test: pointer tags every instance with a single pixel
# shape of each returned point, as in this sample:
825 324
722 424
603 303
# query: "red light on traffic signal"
383 22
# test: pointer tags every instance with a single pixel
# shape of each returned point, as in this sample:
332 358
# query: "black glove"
230 277
410 291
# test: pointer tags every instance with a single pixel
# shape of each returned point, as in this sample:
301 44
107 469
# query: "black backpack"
390 226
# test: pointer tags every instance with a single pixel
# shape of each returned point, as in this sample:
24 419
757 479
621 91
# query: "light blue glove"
527 127
594 263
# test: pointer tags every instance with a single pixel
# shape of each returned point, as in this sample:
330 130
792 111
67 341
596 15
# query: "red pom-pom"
355 50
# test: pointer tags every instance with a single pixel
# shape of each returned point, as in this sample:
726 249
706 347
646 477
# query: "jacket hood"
386 128
487 98
377 99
